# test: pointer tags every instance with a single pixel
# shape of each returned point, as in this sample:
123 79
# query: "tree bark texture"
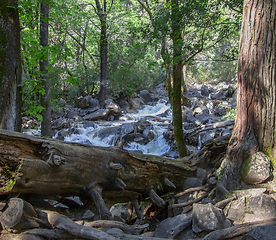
177 79
10 67
46 125
48 167
102 13
255 126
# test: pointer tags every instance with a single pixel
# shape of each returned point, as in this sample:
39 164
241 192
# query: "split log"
49 167
19 215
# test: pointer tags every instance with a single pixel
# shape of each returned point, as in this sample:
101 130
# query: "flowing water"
160 115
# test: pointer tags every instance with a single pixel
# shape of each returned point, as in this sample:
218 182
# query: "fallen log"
48 168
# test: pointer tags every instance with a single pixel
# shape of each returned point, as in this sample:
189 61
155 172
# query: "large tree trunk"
47 167
46 125
10 67
255 126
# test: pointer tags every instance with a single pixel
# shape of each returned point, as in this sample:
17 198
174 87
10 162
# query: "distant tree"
255 126
184 29
10 67
46 125
102 11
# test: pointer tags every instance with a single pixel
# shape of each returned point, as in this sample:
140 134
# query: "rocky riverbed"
194 213
144 123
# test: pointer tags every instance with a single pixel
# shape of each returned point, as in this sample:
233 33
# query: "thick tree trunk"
255 126
46 125
10 67
177 79
47 167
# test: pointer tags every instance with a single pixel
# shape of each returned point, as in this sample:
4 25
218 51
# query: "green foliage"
135 39
231 114
14 176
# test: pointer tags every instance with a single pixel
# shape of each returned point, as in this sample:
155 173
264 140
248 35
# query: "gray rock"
134 105
201 173
88 215
146 96
220 111
191 182
89 124
126 128
260 208
249 192
201 119
171 227
207 217
204 90
113 108
116 231
73 115
256 169
87 102
101 114
236 210
261 233
250 209
60 123
189 118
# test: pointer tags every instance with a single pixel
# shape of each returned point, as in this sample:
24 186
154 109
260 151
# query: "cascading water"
107 133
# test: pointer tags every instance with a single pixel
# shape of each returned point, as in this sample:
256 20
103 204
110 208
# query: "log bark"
48 167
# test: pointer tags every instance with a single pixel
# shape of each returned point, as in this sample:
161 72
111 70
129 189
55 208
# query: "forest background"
137 35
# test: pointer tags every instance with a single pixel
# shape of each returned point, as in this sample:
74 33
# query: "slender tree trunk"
10 67
46 126
103 51
177 79
167 61
255 126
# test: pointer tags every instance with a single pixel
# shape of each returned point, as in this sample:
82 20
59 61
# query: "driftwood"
207 127
128 229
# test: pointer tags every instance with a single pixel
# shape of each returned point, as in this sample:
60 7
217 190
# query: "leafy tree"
10 67
254 128
185 29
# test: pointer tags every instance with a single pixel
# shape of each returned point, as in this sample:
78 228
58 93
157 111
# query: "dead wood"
19 215
212 126
49 233
237 230
223 203
21 236
190 190
177 205
129 229
125 236
64 223
48 167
